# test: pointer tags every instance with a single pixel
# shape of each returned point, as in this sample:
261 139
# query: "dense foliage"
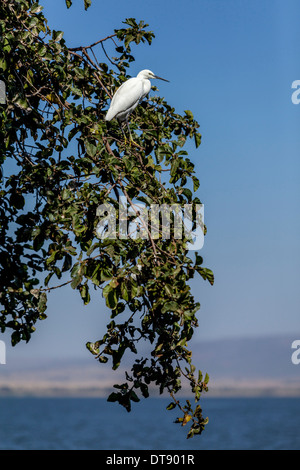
60 161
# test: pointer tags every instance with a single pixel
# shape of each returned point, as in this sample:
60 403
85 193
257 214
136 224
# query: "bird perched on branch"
128 96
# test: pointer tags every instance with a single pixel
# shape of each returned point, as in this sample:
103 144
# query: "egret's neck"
146 86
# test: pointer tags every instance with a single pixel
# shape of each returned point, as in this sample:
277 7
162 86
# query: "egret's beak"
159 78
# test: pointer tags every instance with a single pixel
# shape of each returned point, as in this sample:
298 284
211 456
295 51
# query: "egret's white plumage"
129 95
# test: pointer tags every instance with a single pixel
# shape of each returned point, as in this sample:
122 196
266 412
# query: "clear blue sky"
232 63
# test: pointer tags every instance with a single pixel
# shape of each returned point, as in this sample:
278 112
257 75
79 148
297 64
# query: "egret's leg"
129 132
131 141
124 135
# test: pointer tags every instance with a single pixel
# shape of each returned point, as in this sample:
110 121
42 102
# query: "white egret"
129 95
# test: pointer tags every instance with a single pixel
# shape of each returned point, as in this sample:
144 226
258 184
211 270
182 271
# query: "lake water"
92 424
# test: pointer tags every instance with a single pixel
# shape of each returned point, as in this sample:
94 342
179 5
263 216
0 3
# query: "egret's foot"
132 142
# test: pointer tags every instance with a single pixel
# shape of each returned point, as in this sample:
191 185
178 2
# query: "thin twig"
80 48
56 287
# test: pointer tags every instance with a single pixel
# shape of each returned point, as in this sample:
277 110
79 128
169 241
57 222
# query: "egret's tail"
109 115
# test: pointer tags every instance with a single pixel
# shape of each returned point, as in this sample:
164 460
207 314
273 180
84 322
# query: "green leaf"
124 291
36 8
171 406
113 397
93 348
111 298
189 114
134 397
103 359
186 419
182 342
22 103
87 4
206 274
144 390
91 149
117 355
196 183
171 306
67 263
17 200
15 338
57 35
7 46
76 281
197 138
191 433
85 295
51 257
42 305
3 66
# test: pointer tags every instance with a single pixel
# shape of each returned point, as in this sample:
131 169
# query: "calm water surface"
91 424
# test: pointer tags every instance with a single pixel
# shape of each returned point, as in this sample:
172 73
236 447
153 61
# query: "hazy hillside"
265 357
246 366
250 366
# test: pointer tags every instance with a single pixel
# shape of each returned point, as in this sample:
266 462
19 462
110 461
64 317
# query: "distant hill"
251 358
238 366
250 366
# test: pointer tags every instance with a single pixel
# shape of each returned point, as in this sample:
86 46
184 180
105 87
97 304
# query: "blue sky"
232 63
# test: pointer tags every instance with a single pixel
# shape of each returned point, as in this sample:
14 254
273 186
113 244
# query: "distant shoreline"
241 367
245 390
